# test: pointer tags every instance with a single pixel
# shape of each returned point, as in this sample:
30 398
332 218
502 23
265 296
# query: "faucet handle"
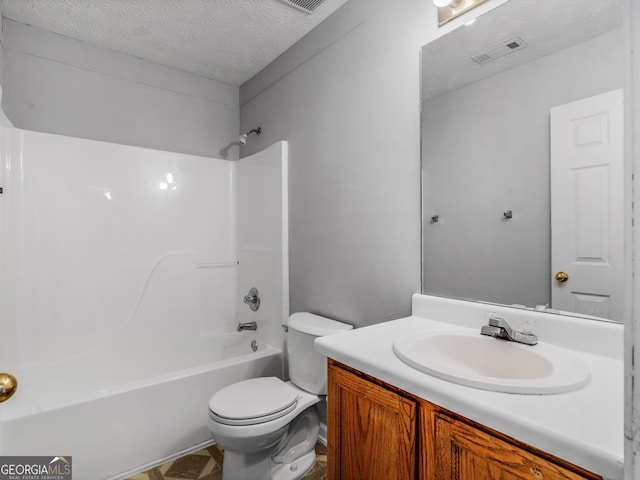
527 338
490 330
252 299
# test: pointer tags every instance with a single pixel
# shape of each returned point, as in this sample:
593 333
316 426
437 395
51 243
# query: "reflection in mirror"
491 130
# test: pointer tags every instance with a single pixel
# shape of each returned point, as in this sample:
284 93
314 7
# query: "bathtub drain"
254 345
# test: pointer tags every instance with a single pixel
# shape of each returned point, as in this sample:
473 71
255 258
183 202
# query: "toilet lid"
256 400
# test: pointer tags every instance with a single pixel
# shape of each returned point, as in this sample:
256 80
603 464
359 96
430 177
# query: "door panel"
587 199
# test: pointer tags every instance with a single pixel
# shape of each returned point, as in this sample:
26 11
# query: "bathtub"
114 426
123 276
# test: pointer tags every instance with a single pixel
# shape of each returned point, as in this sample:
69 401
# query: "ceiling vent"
500 51
307 6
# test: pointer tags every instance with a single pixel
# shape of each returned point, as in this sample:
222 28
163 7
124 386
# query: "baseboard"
322 436
163 460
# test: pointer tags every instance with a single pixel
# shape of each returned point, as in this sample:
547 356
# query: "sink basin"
489 363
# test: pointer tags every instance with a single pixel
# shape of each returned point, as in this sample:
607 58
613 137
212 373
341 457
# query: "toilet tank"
308 368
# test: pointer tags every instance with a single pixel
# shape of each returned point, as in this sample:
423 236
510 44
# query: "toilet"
268 428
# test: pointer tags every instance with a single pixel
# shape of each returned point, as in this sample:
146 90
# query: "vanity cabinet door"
371 430
462 452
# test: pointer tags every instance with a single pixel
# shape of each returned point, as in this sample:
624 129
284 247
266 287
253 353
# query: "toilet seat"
253 401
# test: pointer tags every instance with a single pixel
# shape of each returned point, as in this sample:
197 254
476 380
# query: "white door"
587 206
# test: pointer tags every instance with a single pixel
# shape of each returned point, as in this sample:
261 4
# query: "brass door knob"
8 386
562 277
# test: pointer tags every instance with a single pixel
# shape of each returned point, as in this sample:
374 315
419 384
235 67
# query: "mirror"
487 148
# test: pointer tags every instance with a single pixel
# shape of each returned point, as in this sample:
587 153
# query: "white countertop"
584 427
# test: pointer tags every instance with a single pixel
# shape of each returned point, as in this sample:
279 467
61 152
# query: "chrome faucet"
499 328
247 326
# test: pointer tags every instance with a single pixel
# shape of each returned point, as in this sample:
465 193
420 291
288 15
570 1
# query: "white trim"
162 461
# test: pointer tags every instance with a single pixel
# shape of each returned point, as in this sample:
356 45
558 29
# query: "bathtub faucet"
252 299
247 326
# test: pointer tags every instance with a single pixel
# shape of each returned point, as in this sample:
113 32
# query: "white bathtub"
114 427
122 269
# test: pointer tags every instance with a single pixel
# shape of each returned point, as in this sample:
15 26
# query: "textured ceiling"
546 26
227 40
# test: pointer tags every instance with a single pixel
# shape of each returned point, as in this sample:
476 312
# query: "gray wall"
1 55
346 97
55 84
502 164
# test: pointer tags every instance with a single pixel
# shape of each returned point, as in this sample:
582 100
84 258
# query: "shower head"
243 138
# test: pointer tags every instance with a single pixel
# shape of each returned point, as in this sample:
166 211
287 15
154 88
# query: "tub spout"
247 326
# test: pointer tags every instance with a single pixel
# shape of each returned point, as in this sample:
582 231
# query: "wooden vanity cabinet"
371 430
376 431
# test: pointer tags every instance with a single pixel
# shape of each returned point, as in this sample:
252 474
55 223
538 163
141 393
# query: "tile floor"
206 464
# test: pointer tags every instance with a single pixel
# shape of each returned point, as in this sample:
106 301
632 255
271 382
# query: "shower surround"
123 272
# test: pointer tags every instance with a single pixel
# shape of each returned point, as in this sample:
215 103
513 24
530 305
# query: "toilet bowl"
268 428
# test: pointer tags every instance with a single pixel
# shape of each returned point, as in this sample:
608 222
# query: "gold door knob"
562 277
8 386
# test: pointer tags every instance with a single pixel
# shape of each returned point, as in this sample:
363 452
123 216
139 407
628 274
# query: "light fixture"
442 3
450 9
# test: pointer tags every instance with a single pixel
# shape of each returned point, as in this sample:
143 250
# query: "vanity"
389 419
513 217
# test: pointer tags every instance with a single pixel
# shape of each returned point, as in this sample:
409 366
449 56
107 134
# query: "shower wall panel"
116 244
6 259
263 238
